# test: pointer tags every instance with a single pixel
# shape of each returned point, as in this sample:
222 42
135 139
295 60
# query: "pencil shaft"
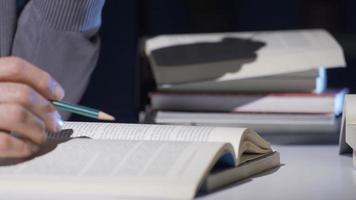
80 110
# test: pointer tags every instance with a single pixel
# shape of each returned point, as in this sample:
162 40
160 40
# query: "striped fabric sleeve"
70 15
7 25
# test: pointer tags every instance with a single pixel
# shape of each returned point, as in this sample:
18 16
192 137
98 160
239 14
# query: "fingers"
25 96
13 69
24 107
15 118
12 147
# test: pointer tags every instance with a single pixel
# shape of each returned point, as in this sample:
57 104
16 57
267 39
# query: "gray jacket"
59 36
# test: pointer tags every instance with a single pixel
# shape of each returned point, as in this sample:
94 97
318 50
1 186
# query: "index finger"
13 69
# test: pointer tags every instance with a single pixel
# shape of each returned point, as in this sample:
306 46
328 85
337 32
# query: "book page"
115 131
85 166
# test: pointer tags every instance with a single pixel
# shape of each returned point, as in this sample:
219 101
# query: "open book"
135 161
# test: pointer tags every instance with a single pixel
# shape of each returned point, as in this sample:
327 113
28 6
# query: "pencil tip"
105 116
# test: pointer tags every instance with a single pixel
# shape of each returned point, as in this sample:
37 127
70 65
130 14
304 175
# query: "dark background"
114 86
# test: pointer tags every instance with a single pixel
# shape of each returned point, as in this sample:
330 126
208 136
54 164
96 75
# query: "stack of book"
272 81
347 143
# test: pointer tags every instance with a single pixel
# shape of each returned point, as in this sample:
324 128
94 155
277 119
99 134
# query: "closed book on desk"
306 81
264 123
328 102
138 161
187 58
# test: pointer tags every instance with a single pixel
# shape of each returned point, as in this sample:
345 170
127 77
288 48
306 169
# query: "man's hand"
25 112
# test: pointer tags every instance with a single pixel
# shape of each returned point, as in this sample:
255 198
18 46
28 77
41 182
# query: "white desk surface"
314 172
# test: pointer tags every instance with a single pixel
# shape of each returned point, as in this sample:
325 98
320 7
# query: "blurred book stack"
271 81
347 142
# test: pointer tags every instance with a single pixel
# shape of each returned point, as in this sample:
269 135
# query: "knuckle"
16 67
5 143
44 82
43 133
38 132
17 113
25 95
44 138
26 150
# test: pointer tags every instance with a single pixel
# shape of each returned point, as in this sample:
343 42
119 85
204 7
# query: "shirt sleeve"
61 37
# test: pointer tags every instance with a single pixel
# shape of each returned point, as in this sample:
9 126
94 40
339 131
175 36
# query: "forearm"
61 37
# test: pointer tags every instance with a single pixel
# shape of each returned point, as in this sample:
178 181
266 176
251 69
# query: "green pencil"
83 110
